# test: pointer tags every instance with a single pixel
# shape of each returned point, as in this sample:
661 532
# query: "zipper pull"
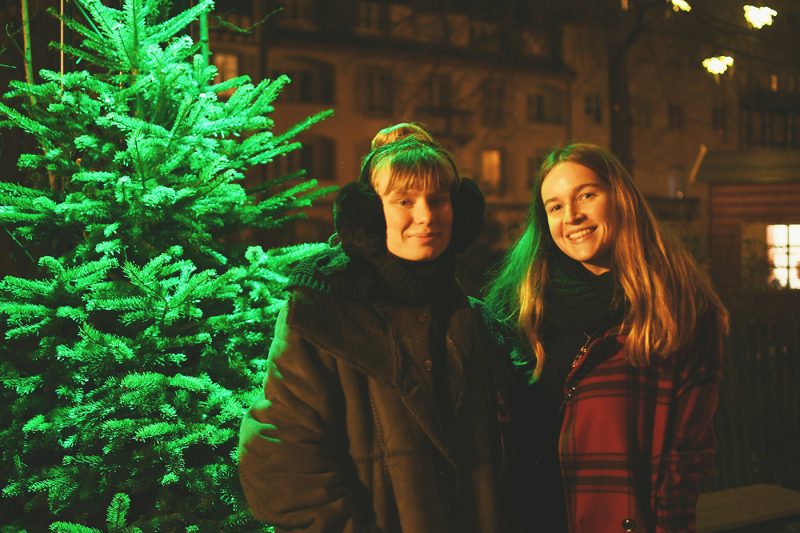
581 353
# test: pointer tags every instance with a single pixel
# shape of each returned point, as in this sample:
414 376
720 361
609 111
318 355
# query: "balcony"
456 125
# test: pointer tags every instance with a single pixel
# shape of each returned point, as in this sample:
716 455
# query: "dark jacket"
347 435
636 442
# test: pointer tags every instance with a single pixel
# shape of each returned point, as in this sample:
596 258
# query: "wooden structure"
740 508
757 187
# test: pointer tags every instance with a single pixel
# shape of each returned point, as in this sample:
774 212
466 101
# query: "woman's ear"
359 220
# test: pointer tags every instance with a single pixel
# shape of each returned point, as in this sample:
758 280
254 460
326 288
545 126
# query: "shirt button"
423 317
629 525
428 364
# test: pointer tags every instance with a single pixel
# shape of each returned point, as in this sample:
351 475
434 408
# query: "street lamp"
758 17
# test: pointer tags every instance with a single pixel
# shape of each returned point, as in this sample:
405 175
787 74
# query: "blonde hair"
666 293
415 160
399 131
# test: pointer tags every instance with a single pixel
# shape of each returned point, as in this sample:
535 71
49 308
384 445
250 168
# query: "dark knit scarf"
415 282
377 276
577 298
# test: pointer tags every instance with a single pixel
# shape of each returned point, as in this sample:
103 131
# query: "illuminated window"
227 68
491 169
774 84
783 250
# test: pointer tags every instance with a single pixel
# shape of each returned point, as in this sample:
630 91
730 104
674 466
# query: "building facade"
500 89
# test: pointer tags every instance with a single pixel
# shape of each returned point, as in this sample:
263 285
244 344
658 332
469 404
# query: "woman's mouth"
580 234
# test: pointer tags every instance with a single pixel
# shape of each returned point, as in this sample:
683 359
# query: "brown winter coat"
347 435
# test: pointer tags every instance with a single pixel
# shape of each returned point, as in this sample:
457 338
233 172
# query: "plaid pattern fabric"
635 442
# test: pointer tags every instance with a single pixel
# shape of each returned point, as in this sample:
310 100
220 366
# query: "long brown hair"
666 294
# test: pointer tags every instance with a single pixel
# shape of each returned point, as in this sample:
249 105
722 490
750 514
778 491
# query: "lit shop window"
491 170
783 249
227 68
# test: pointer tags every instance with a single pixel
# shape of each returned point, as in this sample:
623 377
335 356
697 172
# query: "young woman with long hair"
626 333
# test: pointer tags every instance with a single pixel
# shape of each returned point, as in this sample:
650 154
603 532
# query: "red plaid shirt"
635 442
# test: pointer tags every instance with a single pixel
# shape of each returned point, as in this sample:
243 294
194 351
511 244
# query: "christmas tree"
128 359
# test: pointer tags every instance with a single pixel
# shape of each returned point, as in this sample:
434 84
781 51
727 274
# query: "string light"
680 5
758 17
718 65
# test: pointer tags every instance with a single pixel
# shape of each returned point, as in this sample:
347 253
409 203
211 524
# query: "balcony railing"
454 124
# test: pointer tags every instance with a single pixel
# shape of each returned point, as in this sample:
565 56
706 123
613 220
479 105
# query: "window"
312 80
491 170
763 129
783 251
378 91
317 156
439 92
429 28
493 101
536 44
533 166
298 13
227 68
372 17
483 35
546 105
676 181
674 116
237 7
593 107
774 83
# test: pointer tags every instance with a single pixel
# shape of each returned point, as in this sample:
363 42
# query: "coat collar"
362 335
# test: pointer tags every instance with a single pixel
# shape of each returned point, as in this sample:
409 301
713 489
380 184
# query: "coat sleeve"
293 463
689 457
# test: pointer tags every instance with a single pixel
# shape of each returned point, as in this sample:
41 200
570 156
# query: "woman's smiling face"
580 214
419 222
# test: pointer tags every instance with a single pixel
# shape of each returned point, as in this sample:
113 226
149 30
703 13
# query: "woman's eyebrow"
573 191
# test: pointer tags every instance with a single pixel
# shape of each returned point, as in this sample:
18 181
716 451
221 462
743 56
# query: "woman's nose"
422 213
571 214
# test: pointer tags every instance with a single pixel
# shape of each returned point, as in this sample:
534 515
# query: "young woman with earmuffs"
383 409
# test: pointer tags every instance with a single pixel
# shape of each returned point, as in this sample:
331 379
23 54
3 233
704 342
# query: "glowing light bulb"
680 5
718 65
758 17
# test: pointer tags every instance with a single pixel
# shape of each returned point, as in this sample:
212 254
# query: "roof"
760 166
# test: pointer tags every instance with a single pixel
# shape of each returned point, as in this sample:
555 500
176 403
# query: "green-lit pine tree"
128 360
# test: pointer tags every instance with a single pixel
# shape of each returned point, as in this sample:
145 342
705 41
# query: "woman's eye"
587 195
554 208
